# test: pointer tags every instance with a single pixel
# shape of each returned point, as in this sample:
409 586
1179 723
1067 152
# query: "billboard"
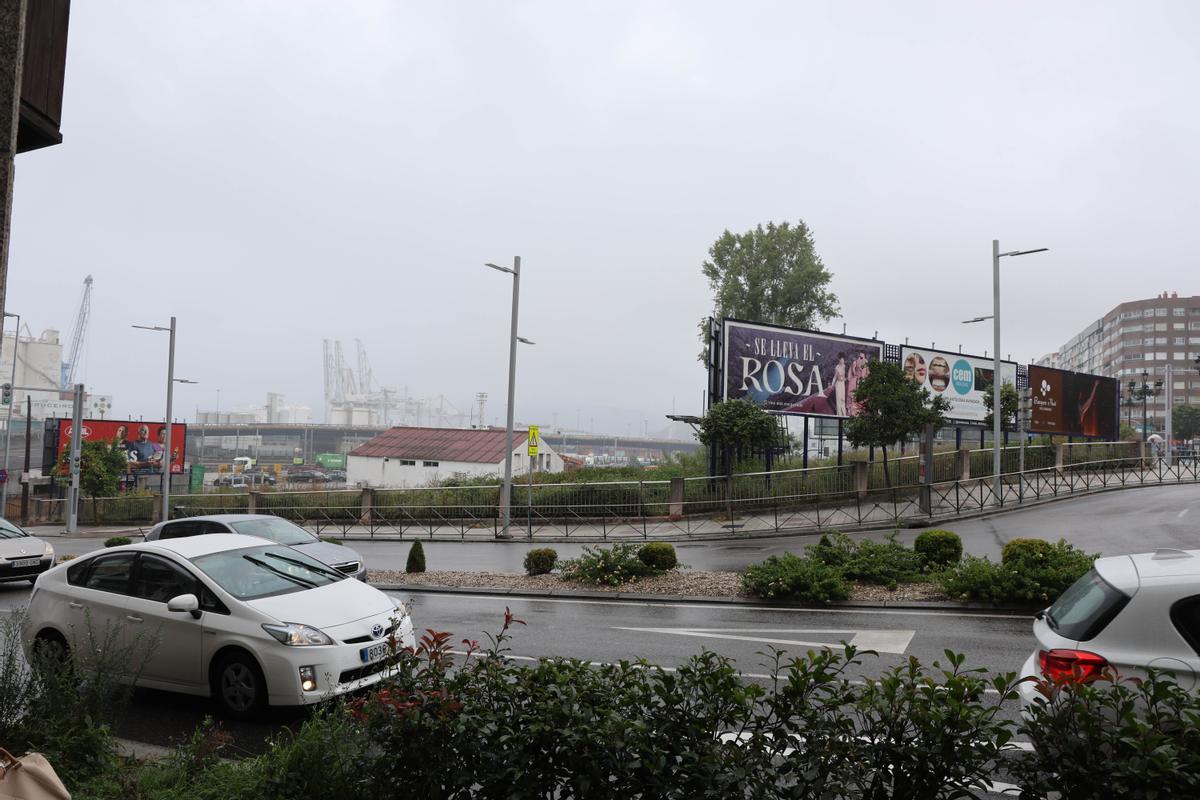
962 380
790 371
142 442
1073 403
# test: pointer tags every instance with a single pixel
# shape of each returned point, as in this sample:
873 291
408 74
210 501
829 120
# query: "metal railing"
783 501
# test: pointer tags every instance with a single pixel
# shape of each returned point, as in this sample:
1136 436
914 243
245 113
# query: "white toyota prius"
246 622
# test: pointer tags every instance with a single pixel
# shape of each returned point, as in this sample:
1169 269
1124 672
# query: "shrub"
1033 572
938 548
887 563
789 576
605 566
540 560
117 541
1024 550
659 556
1112 738
65 557
416 558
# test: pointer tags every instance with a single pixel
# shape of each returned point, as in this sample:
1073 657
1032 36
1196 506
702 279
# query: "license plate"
26 562
374 652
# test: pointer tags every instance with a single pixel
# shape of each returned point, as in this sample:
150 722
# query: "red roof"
467 445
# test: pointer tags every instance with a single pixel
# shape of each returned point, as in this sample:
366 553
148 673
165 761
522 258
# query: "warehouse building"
403 457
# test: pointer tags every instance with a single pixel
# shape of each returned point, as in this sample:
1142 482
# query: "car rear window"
1086 608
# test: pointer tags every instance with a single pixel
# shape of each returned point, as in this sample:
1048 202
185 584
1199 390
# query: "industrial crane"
69 364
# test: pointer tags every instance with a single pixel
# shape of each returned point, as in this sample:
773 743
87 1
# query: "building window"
1161 340
1179 312
434 463
1161 326
1159 356
406 462
1160 312
1148 341
1178 341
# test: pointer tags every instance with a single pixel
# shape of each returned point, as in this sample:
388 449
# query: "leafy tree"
738 427
101 466
1185 421
770 274
1010 403
892 409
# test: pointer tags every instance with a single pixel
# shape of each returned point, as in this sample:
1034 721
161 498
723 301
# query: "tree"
1010 403
1185 421
738 427
101 466
770 274
892 409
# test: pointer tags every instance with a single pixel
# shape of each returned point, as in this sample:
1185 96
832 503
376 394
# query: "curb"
749 602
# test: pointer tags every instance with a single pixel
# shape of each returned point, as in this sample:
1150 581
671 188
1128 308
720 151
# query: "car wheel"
51 652
238 686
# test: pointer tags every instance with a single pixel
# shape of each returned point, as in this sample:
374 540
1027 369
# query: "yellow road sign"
533 440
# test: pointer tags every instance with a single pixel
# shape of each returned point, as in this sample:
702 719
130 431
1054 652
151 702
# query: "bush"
887 563
1031 572
416 558
659 556
938 548
117 541
1025 551
791 577
540 561
605 566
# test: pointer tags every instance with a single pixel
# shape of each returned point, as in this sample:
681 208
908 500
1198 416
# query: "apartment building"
1136 337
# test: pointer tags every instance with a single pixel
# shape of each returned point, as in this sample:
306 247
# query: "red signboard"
141 442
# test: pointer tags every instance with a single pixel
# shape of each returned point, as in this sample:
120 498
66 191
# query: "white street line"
884 641
1183 513
710 606
760 676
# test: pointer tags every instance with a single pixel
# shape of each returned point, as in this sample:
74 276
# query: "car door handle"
133 618
74 604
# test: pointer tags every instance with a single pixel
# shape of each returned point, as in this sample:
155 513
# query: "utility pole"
25 472
76 450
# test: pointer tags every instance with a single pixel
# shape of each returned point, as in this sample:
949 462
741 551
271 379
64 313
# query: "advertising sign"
790 371
141 442
1073 403
962 380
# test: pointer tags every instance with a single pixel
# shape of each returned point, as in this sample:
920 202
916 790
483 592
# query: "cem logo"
1045 388
962 377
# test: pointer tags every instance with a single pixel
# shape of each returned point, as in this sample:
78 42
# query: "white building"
38 371
401 457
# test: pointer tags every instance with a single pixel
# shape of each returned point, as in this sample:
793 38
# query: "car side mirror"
185 602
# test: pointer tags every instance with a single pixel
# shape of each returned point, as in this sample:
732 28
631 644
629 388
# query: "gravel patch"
684 583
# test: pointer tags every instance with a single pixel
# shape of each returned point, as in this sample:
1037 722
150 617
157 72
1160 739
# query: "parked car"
245 480
244 621
22 557
308 476
268 526
1128 614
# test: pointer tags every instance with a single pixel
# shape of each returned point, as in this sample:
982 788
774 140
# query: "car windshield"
254 572
275 529
10 531
1085 608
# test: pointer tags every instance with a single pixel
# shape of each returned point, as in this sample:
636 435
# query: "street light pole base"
506 537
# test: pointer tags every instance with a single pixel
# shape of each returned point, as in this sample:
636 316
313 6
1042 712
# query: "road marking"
1183 513
759 676
711 606
884 641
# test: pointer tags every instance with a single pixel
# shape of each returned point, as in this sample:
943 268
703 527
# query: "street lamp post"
995 318
8 425
171 381
506 491
1144 392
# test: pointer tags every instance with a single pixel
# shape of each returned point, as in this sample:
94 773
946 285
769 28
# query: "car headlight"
399 606
49 552
296 635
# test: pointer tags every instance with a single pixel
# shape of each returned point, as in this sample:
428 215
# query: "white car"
22 557
242 620
1128 614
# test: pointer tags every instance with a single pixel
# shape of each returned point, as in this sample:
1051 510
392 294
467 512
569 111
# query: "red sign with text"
141 442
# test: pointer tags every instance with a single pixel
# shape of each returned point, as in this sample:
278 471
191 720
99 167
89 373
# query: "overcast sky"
279 173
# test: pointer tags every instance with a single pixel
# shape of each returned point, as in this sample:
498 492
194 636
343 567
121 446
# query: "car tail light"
1071 666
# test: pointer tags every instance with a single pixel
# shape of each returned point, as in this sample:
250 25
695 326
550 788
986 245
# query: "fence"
854 495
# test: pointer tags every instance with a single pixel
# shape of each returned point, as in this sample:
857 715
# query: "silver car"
22 557
265 526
